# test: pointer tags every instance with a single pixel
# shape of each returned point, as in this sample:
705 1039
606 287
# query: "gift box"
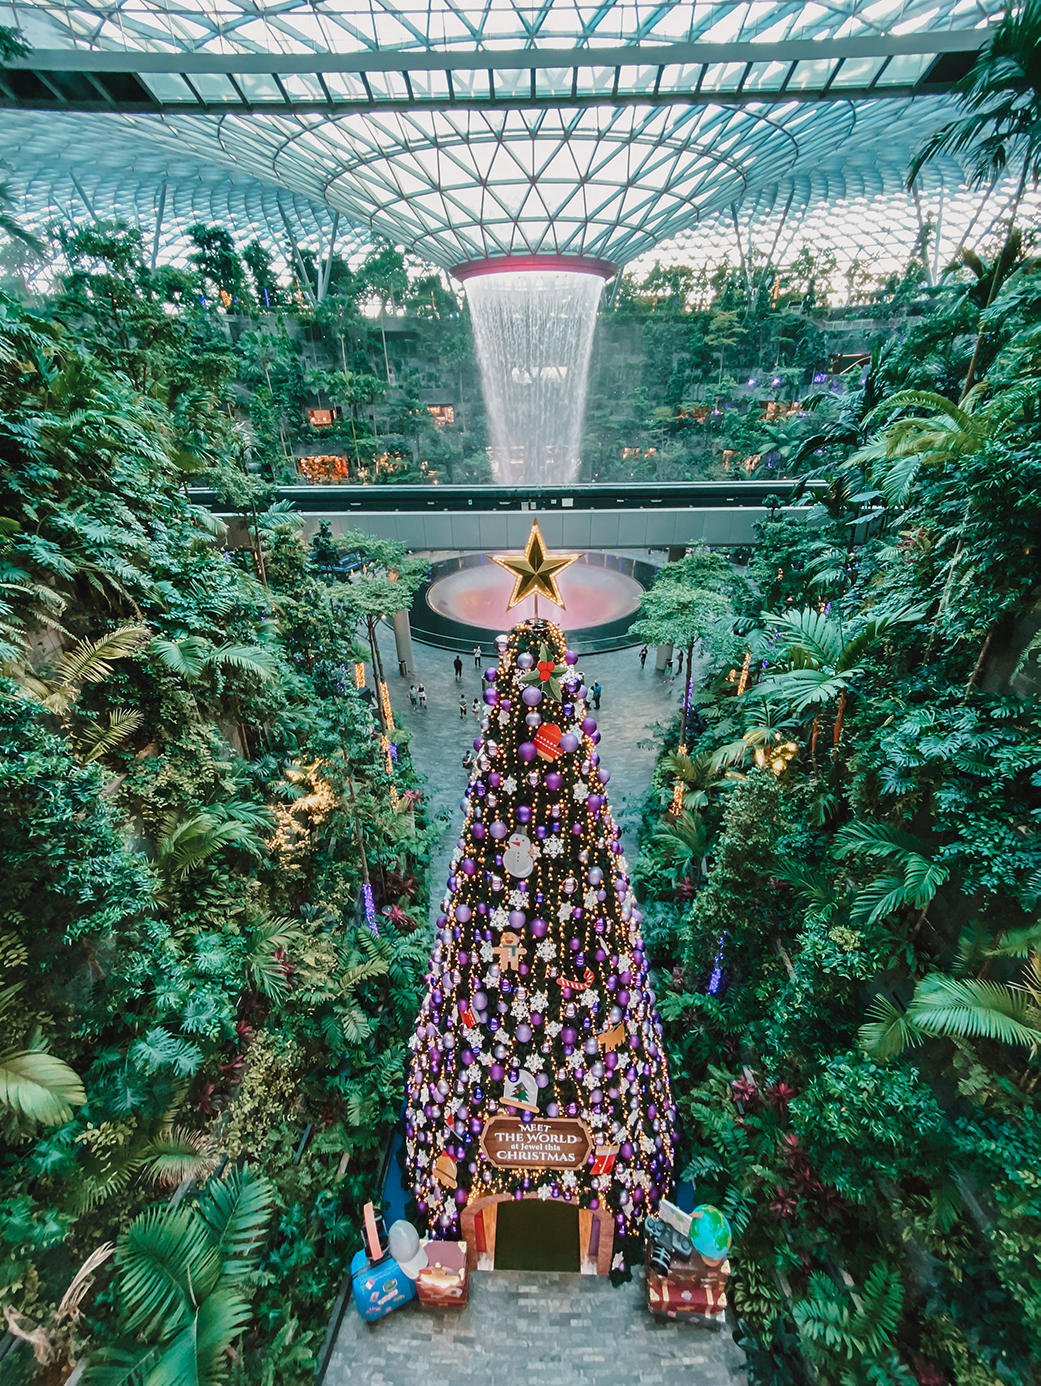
379 1286
444 1282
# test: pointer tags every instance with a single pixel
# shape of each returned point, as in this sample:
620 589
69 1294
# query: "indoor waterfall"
534 336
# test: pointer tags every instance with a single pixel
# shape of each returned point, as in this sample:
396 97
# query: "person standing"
668 667
457 665
643 656
412 695
477 709
477 656
597 690
421 694
462 708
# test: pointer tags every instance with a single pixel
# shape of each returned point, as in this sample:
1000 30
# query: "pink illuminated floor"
592 597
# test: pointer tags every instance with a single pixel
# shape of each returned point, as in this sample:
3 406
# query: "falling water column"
533 320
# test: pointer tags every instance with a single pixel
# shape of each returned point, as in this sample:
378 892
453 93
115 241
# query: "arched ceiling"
467 131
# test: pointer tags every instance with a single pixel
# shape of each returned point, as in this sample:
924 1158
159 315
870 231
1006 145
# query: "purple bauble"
480 1000
568 1035
517 919
442 920
526 751
523 1032
595 738
588 725
622 998
569 742
523 813
570 657
532 720
541 1079
494 780
538 928
491 674
462 913
576 828
603 775
478 743
496 1073
469 866
595 876
531 697
478 832
491 697
461 1196
498 829
505 704
593 803
626 1151
553 781
525 661
552 1109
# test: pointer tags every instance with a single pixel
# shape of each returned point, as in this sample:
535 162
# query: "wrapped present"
680 1278
445 1281
379 1287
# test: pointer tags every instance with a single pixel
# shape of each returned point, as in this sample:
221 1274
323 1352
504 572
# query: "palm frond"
950 1006
98 740
38 1087
237 1211
90 661
890 1033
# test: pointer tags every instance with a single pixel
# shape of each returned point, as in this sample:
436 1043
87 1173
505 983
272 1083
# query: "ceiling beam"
462 60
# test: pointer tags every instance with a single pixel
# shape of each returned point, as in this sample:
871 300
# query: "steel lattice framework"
470 131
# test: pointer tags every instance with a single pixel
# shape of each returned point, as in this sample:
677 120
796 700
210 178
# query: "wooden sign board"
542 1143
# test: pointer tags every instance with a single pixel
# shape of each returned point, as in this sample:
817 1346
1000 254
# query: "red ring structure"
508 264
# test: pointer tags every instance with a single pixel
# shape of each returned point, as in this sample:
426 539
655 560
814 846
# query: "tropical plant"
848 1334
820 660
1001 95
36 1088
913 878
183 1278
959 1008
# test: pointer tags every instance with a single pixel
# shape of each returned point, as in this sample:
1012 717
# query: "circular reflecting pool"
479 597
465 601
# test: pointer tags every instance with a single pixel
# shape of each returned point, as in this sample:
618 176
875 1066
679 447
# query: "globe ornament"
710 1233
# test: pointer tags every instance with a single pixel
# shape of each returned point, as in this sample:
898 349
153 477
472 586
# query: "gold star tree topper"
536 571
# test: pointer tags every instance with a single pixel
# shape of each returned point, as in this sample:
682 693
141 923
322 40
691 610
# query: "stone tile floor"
634 700
527 1329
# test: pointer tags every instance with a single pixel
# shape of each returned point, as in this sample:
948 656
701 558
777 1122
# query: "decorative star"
535 573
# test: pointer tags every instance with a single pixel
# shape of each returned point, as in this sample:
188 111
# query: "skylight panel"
168 86
905 69
857 72
723 76
813 75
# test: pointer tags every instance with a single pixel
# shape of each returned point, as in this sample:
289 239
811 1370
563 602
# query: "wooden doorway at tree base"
526 1220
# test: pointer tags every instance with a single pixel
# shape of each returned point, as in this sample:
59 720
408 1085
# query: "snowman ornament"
519 856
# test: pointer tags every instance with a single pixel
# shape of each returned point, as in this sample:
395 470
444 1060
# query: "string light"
742 682
716 979
359 674
370 906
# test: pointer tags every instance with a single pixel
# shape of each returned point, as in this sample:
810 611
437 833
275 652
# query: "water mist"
534 334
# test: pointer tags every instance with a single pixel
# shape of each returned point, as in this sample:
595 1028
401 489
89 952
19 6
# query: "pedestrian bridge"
487 518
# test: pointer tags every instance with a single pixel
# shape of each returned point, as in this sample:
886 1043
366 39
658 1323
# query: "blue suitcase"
379 1288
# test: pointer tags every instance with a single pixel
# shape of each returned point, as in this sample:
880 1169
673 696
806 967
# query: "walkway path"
634 701
527 1329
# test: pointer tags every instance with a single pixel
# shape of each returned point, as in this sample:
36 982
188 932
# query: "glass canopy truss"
800 70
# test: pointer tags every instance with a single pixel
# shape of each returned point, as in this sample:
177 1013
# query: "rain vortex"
534 335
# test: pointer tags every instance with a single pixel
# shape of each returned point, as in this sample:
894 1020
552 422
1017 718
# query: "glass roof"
346 26
466 131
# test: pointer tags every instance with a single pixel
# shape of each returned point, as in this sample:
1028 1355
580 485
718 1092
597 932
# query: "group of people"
417 695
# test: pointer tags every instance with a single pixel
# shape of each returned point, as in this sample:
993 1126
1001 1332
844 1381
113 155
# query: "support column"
662 654
403 643
676 552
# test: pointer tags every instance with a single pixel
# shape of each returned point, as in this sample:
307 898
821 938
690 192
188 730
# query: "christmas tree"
538 1021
